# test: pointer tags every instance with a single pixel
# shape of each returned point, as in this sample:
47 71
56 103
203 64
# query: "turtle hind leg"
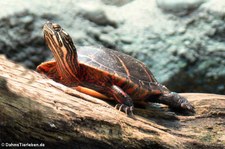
125 102
175 101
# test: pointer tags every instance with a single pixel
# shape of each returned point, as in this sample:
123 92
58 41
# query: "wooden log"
33 111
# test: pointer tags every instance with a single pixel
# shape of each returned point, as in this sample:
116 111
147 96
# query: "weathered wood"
34 111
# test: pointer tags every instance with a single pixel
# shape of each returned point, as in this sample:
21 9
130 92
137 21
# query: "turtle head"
176 101
63 49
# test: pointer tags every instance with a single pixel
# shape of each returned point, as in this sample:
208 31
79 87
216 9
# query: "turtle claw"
122 107
131 111
119 106
126 109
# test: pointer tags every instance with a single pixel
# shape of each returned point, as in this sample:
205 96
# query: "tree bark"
33 111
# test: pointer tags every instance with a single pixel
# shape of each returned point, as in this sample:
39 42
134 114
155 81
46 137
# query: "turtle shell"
118 64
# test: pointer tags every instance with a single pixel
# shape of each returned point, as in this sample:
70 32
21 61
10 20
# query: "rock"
95 13
27 19
29 64
116 2
126 39
107 40
217 9
179 6
20 43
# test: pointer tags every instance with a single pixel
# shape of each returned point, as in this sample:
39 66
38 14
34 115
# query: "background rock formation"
182 42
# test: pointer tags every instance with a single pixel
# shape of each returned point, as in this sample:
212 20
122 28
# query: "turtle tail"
176 101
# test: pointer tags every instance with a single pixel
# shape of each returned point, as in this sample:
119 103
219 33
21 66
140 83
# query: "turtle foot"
183 103
128 110
175 101
187 106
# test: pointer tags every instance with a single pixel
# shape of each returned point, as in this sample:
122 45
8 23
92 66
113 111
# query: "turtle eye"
56 27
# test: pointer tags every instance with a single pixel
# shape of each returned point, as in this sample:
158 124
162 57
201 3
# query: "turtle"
104 73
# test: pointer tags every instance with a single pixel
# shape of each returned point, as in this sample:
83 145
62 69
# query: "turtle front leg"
125 102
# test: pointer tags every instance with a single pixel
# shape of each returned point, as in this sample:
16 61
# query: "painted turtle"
104 73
